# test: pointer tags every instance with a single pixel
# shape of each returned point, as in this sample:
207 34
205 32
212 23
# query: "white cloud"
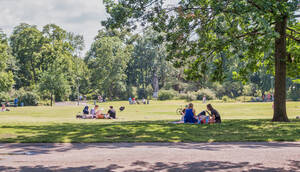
78 16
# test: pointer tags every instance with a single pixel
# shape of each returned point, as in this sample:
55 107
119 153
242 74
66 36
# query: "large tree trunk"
51 99
155 85
280 72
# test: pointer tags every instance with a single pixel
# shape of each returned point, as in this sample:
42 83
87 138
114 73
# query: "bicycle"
179 110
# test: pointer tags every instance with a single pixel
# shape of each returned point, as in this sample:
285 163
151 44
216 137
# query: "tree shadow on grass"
142 166
156 131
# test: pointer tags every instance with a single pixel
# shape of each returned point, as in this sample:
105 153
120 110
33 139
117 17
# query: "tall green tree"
53 83
107 61
26 42
6 76
204 33
148 65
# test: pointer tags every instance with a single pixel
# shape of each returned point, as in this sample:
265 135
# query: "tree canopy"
209 35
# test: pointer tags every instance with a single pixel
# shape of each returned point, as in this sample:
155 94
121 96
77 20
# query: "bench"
10 104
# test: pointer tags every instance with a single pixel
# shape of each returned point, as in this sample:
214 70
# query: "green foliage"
210 95
245 99
166 94
53 83
29 99
107 59
4 96
225 99
294 92
6 77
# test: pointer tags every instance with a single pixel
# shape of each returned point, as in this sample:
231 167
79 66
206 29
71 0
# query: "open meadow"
147 123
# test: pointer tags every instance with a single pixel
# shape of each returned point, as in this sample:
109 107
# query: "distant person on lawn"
16 102
111 112
189 116
215 116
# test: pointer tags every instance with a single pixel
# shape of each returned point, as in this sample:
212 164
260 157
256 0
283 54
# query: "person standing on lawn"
214 114
16 102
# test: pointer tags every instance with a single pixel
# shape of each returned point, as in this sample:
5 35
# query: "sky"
79 16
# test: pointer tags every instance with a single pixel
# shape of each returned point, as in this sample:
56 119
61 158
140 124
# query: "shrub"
4 97
210 95
191 96
225 98
294 94
29 99
182 96
245 98
166 94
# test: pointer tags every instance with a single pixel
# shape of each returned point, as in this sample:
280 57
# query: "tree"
53 82
6 77
147 65
107 60
26 42
205 33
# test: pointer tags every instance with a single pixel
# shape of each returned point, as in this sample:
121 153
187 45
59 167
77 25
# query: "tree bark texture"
280 71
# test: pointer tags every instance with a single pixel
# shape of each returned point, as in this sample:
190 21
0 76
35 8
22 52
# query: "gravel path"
258 156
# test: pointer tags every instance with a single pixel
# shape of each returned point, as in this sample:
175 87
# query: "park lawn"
147 123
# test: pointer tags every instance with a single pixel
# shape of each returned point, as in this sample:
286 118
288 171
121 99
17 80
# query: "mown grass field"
147 123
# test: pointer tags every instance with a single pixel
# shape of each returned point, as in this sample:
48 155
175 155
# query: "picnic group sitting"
96 113
189 115
3 108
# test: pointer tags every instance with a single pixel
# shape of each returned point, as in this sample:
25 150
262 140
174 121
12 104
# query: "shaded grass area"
150 131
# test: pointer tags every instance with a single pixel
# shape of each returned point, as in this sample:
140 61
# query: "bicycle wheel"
178 111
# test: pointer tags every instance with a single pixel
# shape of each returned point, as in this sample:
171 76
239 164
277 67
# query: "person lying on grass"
215 116
189 116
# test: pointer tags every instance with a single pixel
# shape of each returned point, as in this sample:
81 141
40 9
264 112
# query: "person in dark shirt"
214 114
111 112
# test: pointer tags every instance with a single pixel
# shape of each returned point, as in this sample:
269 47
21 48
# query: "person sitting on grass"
215 116
100 115
202 117
94 111
86 110
111 113
189 116
3 109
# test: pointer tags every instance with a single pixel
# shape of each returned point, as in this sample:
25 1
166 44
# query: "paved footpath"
129 157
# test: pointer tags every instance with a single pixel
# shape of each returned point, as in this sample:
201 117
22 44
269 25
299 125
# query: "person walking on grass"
215 116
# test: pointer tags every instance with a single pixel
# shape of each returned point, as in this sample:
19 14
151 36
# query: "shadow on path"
159 166
47 148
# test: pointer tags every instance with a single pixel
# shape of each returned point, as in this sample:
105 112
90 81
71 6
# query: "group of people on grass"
189 115
136 101
4 108
96 113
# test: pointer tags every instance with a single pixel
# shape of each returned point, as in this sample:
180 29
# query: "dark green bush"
29 99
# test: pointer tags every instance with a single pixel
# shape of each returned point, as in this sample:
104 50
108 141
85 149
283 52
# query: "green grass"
148 123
